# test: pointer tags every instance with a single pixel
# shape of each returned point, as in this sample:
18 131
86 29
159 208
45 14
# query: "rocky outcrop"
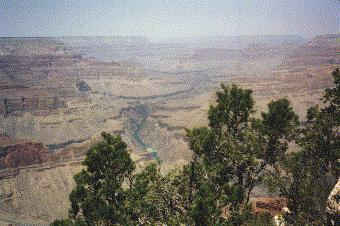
20 155
34 182
19 105
37 193
29 84
322 49
271 205
333 203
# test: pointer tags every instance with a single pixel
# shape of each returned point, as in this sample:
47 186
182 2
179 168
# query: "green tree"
308 176
230 155
154 198
279 127
100 197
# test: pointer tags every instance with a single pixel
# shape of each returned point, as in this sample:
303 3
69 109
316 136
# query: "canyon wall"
55 102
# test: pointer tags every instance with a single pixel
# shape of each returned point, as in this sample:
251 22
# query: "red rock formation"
273 205
24 154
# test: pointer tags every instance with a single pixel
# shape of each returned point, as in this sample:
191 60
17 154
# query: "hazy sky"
168 18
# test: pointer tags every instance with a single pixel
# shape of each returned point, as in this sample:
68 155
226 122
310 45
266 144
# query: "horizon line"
150 37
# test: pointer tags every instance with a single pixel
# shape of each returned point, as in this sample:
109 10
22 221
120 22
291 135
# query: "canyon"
58 94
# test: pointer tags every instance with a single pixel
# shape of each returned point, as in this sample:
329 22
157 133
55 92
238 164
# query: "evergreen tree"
235 149
100 197
308 175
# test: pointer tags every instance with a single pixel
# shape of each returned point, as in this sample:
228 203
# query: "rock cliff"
20 155
333 203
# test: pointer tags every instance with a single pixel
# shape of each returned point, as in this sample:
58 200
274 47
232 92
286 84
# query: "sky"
161 19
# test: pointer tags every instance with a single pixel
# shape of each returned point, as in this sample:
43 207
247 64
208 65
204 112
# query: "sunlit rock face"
37 193
34 182
333 203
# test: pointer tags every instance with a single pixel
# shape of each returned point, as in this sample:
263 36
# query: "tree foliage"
99 197
306 177
236 148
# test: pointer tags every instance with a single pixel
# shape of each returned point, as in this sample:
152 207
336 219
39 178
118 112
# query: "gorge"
58 94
